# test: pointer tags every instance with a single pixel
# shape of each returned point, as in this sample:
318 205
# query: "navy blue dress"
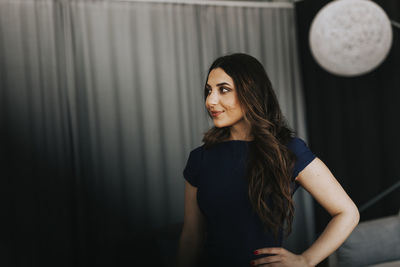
234 230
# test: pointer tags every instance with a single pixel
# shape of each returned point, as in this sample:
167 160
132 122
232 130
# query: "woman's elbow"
350 215
356 217
353 215
192 235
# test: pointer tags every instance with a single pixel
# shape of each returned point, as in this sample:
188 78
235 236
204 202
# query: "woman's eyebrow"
219 84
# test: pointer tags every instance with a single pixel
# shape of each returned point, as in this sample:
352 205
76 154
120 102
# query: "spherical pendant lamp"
350 37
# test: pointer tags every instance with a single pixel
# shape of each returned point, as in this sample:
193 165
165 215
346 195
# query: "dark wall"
353 123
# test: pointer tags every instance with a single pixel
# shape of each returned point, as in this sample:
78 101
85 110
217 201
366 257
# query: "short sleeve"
192 168
303 153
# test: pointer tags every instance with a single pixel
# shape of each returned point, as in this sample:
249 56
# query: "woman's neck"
240 131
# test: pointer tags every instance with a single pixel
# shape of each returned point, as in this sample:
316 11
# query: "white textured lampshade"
350 37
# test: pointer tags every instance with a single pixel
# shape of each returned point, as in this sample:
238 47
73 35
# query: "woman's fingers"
277 255
278 250
269 259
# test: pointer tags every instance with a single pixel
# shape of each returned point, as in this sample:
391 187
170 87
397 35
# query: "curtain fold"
101 103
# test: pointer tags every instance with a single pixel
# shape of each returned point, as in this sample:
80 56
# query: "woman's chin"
219 124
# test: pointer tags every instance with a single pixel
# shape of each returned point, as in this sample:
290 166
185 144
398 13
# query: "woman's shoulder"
204 149
303 154
296 144
197 151
193 165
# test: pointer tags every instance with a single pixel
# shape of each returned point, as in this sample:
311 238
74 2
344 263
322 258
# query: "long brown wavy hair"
270 163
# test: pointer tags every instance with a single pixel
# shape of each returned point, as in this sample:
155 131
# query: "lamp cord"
379 196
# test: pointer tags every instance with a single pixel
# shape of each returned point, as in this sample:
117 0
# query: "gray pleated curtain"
103 101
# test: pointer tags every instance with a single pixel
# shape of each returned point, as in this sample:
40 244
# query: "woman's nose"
213 98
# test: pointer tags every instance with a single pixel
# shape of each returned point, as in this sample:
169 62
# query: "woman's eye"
223 88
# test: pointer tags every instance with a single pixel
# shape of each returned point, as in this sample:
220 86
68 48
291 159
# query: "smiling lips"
216 113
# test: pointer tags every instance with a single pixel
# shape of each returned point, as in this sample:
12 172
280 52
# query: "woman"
240 182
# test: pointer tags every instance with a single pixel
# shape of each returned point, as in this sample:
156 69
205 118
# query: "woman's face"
222 98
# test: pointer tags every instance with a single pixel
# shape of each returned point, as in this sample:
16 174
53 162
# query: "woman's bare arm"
192 238
317 179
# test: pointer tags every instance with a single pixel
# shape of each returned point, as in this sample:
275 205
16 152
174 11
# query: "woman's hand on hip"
280 258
